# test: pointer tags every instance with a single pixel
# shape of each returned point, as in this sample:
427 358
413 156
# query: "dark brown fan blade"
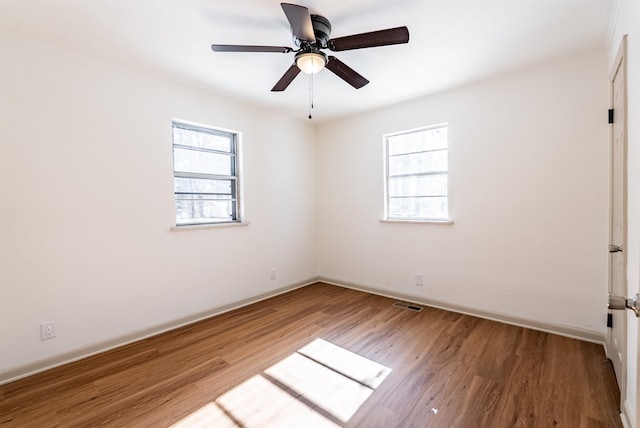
391 36
346 73
249 48
286 79
300 21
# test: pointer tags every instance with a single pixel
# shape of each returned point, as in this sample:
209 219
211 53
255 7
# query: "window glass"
417 174
205 165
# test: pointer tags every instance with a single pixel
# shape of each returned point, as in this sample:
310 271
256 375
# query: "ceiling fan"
310 35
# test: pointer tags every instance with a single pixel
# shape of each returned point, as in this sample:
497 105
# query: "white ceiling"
452 42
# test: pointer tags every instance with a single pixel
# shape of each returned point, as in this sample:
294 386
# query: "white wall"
528 196
627 21
86 186
86 192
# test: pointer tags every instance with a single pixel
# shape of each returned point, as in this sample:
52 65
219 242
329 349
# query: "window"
205 171
417 174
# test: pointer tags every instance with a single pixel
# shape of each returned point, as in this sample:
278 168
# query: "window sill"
395 220
208 226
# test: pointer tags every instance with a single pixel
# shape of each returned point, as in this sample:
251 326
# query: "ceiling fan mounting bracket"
321 30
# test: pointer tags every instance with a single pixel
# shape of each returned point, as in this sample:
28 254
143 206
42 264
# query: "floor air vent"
410 306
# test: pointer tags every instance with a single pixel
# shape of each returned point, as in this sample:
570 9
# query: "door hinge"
610 115
609 320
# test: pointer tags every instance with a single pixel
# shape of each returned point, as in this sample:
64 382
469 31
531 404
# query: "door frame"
619 65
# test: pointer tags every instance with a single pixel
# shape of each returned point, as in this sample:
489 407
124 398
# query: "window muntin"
417 173
205 170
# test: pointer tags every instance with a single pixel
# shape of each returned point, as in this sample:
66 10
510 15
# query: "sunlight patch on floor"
331 391
348 363
321 385
209 415
259 403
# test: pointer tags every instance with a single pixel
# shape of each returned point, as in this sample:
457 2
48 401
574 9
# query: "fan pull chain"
310 94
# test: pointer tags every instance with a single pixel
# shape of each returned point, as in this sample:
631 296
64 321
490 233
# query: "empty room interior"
370 213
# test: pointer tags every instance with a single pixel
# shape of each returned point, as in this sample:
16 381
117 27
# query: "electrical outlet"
418 279
47 330
511 292
274 274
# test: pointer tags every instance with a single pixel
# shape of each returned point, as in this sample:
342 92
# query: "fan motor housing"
321 29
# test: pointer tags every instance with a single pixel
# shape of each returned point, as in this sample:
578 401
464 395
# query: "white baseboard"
98 347
562 330
134 336
625 416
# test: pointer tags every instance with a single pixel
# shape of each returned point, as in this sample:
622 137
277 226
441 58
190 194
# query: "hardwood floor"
243 369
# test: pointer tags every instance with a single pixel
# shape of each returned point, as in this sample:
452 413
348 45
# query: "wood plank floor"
447 370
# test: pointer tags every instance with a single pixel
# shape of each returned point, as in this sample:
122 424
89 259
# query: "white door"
616 336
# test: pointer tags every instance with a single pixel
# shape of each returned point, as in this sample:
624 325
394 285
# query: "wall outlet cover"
47 330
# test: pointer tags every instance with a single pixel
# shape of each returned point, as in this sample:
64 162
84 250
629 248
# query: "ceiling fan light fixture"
311 34
311 62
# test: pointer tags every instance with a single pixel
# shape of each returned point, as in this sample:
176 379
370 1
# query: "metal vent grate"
410 306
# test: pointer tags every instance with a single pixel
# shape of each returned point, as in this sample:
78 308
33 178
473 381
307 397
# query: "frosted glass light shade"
310 63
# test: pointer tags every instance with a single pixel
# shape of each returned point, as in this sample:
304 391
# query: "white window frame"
235 177
413 219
